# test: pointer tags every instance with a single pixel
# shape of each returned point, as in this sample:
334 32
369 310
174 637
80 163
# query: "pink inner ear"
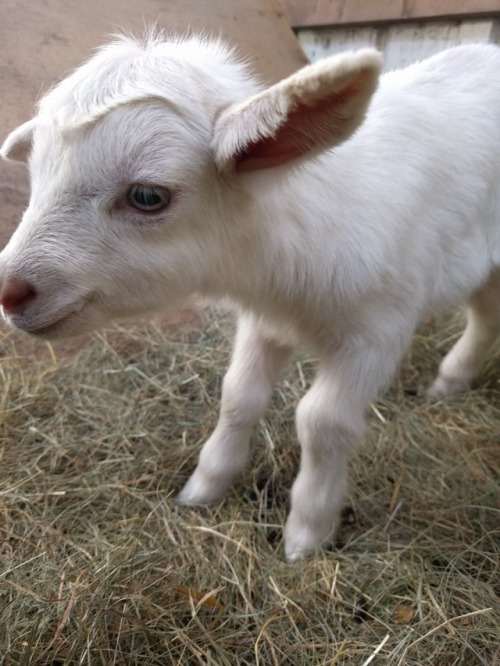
306 128
266 153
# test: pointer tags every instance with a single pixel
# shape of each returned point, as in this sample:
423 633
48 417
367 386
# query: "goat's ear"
17 145
316 108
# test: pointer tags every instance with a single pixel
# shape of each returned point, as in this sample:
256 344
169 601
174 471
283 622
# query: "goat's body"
429 240
354 268
346 252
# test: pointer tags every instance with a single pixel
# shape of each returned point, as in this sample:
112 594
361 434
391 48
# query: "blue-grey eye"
148 198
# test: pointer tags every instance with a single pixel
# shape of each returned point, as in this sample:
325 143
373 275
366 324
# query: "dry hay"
99 565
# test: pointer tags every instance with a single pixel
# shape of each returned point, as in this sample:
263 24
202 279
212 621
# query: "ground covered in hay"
99 566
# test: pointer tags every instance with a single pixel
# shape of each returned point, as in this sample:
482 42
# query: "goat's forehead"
181 71
145 141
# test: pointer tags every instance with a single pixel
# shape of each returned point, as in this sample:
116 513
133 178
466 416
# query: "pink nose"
16 294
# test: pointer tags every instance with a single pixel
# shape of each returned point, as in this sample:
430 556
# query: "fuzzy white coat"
331 212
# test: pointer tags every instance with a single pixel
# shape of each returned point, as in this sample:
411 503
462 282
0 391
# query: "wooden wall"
315 13
403 43
405 30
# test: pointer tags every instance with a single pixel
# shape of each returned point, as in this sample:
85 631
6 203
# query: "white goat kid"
161 169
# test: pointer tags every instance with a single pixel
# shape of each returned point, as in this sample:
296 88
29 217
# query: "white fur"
345 252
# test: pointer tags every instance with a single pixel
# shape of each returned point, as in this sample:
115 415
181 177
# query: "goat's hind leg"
462 365
256 365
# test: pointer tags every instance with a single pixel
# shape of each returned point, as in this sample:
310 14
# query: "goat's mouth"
64 324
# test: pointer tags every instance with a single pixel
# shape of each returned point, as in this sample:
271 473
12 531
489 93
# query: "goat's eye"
148 199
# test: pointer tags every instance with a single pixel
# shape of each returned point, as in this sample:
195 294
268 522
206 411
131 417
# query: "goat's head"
130 159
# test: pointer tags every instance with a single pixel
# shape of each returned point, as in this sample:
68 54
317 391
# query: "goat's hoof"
444 387
199 491
303 542
300 551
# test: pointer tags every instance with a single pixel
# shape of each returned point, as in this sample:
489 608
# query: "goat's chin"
76 322
67 327
87 315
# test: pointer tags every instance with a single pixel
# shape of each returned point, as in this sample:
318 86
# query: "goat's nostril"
16 294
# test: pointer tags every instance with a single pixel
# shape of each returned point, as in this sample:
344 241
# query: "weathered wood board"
315 13
402 43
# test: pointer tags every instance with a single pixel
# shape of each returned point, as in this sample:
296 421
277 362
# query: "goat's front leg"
330 425
256 365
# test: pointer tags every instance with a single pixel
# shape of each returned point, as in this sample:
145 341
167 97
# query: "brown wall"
308 13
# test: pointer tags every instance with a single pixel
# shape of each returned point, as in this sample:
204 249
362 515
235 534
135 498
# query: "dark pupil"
146 197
